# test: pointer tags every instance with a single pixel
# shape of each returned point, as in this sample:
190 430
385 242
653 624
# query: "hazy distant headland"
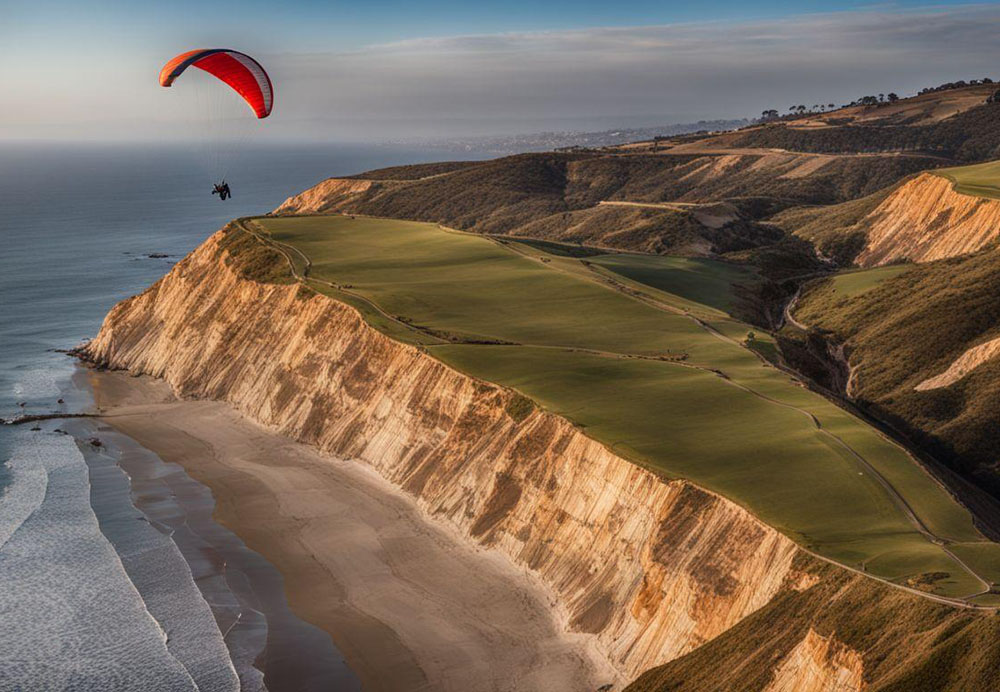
547 141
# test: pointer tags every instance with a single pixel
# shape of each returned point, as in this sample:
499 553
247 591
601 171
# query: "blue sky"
392 68
312 25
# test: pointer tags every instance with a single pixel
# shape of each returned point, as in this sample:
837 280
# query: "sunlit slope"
647 379
980 180
930 217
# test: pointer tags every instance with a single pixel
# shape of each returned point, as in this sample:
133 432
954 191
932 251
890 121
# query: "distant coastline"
498 145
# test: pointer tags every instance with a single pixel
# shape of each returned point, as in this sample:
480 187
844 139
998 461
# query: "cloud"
583 78
675 72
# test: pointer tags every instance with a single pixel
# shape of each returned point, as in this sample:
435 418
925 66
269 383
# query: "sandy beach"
411 604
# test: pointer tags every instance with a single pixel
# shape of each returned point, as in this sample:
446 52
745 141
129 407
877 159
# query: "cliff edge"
656 569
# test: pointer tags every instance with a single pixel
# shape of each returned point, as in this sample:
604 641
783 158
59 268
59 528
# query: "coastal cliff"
331 195
661 572
654 568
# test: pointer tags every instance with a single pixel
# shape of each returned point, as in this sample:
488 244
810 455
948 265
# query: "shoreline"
267 644
408 601
181 596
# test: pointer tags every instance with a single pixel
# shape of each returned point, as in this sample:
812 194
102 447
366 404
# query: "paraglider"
222 190
242 74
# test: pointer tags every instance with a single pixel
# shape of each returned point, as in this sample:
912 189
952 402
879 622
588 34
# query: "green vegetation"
623 359
561 249
698 280
254 260
911 327
519 407
981 180
853 283
973 135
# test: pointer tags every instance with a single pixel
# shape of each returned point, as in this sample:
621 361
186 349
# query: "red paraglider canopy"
244 74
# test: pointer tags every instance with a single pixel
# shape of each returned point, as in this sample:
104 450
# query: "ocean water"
114 576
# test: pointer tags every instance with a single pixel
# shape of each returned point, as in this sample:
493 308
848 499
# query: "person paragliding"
222 190
242 74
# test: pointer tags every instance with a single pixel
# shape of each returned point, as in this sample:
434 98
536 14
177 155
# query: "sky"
381 70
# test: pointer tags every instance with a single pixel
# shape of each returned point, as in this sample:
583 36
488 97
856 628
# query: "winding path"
790 308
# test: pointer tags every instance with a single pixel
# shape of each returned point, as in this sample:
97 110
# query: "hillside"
658 189
924 219
969 136
943 121
924 109
956 124
581 197
844 634
922 355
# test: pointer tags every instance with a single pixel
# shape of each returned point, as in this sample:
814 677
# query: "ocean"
113 574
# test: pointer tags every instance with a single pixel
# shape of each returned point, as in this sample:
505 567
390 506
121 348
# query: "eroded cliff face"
331 195
819 664
926 220
653 568
963 365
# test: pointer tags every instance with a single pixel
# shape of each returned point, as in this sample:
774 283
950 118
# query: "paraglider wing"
244 74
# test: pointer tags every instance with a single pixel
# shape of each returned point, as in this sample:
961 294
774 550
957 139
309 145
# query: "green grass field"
701 281
640 375
854 282
829 296
981 180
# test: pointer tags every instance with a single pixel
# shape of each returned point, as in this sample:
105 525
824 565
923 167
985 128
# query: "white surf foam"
72 618
161 575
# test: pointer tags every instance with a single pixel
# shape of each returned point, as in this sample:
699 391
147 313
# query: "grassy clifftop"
636 350
981 180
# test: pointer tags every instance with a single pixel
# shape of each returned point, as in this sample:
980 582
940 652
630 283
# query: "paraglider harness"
222 190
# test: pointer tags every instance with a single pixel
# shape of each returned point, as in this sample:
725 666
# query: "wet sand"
409 603
245 593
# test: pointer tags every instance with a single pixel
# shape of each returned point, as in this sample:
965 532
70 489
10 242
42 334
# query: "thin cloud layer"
574 79
673 72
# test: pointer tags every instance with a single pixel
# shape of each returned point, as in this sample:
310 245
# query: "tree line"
872 100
